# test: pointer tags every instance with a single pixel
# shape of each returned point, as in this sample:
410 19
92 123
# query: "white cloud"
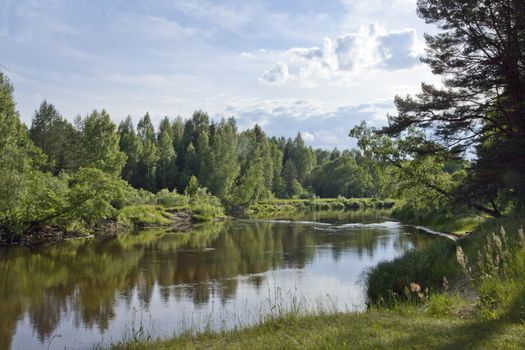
278 74
371 47
308 136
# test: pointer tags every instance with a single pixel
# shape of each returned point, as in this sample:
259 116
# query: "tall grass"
499 275
389 282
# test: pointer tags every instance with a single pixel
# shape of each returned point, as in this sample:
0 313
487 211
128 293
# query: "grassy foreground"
375 329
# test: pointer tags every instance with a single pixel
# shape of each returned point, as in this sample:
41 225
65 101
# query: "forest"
82 173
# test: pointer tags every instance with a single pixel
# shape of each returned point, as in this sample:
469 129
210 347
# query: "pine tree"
480 53
149 155
131 145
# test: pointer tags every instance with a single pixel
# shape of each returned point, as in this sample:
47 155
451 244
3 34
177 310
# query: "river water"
223 275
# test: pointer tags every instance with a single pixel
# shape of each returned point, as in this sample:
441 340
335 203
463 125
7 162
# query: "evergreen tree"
149 155
191 164
479 52
254 182
177 132
51 133
166 168
220 167
131 145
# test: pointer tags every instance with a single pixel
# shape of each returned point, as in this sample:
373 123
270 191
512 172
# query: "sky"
309 66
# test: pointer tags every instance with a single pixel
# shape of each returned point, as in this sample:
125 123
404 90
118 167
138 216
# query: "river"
216 276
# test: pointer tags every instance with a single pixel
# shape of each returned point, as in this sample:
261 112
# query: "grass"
375 329
144 215
430 268
339 203
459 221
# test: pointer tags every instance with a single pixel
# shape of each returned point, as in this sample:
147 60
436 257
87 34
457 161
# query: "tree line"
239 167
75 174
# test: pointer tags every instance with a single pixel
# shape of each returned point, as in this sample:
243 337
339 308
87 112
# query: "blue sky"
309 66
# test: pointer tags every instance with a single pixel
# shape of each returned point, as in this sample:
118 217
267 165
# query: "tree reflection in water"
86 280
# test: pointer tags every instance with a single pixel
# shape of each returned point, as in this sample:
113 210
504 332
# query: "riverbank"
439 297
129 218
458 222
340 203
375 329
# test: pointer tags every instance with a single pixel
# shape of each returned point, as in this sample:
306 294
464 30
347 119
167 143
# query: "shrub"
386 283
205 206
171 199
143 215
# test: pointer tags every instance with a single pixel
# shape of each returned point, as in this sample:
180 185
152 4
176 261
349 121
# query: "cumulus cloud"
399 49
276 75
371 47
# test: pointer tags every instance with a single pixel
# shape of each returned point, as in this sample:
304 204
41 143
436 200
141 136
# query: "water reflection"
84 288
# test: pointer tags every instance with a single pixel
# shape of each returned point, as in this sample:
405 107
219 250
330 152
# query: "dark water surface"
225 275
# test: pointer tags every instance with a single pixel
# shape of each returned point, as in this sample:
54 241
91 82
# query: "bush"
143 215
171 199
205 206
387 282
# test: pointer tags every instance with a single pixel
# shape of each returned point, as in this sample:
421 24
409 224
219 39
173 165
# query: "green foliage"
171 199
100 144
131 145
93 196
459 219
167 170
499 276
315 204
143 215
478 51
342 176
219 167
149 155
204 206
55 136
18 160
387 282
422 178
86 158
192 188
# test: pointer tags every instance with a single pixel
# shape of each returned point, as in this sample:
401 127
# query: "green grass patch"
144 215
458 221
389 282
317 204
488 264
376 329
